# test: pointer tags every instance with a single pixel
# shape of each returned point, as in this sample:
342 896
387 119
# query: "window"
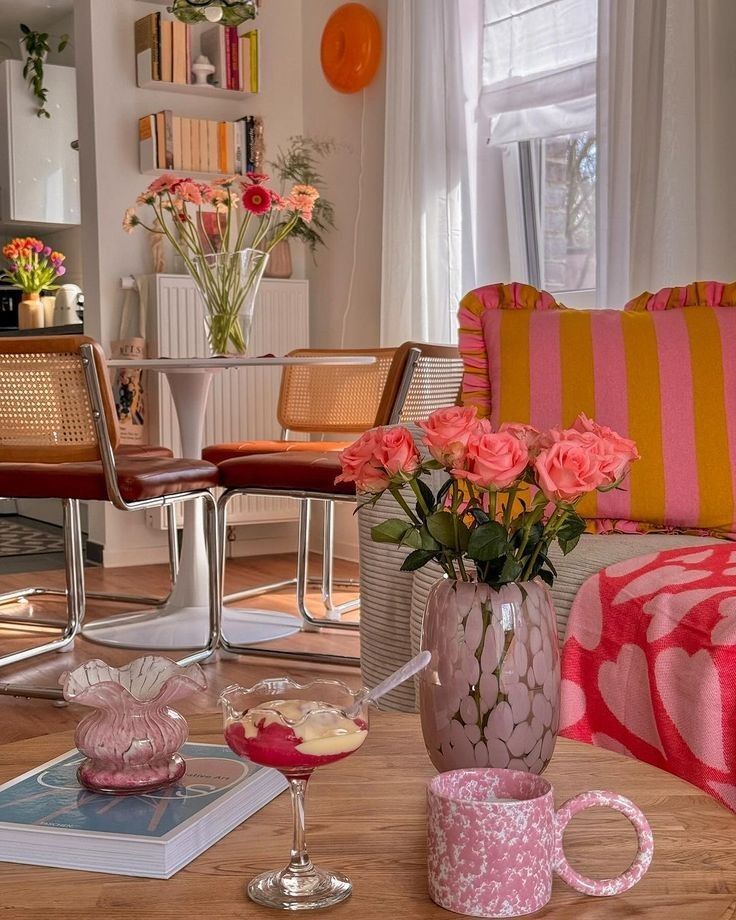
539 96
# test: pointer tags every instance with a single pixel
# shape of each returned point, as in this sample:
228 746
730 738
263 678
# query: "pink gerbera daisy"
257 199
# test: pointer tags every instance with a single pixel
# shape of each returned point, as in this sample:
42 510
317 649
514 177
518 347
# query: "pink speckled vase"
494 840
132 738
491 694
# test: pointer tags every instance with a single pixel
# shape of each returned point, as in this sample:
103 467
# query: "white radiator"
242 404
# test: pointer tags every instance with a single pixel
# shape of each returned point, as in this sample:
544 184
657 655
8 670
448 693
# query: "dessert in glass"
296 728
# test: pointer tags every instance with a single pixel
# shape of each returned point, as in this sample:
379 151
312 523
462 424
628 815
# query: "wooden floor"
24 718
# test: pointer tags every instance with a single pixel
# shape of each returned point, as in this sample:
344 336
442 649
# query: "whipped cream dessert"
295 736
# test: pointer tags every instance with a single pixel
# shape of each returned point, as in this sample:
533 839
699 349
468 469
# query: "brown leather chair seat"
218 453
138 479
297 471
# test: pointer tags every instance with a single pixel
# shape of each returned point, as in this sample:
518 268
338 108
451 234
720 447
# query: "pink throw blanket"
649 664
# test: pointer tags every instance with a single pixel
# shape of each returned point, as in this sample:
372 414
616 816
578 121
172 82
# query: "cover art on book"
51 797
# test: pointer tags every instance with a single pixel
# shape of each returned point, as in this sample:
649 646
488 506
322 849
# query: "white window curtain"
431 111
666 209
539 68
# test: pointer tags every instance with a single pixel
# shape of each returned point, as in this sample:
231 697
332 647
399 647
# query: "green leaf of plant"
572 527
416 560
24 29
441 525
427 493
567 546
547 576
479 516
427 541
511 570
487 542
391 531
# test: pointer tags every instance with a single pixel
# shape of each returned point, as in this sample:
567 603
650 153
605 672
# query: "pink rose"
396 452
568 469
527 434
447 432
616 452
359 465
378 457
495 459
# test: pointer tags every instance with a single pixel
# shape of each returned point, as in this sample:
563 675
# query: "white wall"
330 114
109 107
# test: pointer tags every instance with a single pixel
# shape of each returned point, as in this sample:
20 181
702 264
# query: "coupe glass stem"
300 863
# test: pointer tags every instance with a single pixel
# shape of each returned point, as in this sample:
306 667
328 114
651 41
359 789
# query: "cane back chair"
319 401
58 436
421 378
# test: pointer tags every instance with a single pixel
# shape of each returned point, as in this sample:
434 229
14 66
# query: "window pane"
567 174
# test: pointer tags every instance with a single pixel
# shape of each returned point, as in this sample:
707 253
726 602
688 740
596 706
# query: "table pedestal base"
187 628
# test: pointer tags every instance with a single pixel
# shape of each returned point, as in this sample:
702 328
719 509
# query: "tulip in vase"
490 696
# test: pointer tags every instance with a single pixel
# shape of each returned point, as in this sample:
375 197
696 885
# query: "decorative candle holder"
132 739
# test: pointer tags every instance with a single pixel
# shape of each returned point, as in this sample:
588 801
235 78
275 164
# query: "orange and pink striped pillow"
661 375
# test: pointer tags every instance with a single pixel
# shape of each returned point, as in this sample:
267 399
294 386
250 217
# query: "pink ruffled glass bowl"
132 739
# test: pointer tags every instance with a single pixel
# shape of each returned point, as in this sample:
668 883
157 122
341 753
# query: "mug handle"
607 886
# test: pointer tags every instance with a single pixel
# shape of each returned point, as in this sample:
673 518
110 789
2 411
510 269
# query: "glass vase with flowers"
490 696
224 232
32 267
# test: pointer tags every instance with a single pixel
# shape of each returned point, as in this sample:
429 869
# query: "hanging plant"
37 48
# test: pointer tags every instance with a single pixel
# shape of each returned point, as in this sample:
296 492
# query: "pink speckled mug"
494 840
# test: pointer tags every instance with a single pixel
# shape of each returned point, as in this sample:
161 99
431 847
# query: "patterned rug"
20 539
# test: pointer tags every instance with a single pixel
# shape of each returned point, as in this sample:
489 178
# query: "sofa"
659 514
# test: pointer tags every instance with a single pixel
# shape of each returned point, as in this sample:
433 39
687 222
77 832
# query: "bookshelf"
195 89
205 148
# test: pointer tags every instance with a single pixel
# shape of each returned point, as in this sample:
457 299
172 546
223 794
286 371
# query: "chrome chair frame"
311 623
74 567
305 498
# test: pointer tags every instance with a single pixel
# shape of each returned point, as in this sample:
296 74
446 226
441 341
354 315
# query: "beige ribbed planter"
385 601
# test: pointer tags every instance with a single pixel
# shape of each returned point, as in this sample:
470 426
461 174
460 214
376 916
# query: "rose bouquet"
508 494
32 266
224 231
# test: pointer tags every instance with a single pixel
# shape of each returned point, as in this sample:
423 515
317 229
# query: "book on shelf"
147 142
166 51
254 61
147 39
176 144
47 819
180 70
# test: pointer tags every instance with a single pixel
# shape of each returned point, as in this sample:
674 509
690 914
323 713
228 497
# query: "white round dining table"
182 622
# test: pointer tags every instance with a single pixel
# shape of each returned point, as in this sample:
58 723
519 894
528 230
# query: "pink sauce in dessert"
295 736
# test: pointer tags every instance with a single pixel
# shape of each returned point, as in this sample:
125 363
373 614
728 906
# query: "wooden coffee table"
365 816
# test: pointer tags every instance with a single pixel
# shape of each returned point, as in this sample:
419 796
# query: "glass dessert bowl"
295 729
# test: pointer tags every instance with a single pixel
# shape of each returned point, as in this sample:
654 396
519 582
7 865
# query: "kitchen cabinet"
39 167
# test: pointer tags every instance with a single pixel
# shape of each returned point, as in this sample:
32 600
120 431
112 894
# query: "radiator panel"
242 402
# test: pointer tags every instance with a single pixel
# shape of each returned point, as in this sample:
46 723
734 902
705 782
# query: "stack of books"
198 145
165 50
47 819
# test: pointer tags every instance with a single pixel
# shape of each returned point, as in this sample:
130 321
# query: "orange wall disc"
351 48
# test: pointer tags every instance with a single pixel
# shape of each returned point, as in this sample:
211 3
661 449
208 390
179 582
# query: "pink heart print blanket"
649 664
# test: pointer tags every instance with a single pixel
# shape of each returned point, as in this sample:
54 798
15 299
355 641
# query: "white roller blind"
539 62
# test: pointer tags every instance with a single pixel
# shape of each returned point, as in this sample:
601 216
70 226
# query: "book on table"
48 819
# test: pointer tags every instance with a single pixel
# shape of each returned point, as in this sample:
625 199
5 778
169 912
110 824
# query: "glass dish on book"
296 728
